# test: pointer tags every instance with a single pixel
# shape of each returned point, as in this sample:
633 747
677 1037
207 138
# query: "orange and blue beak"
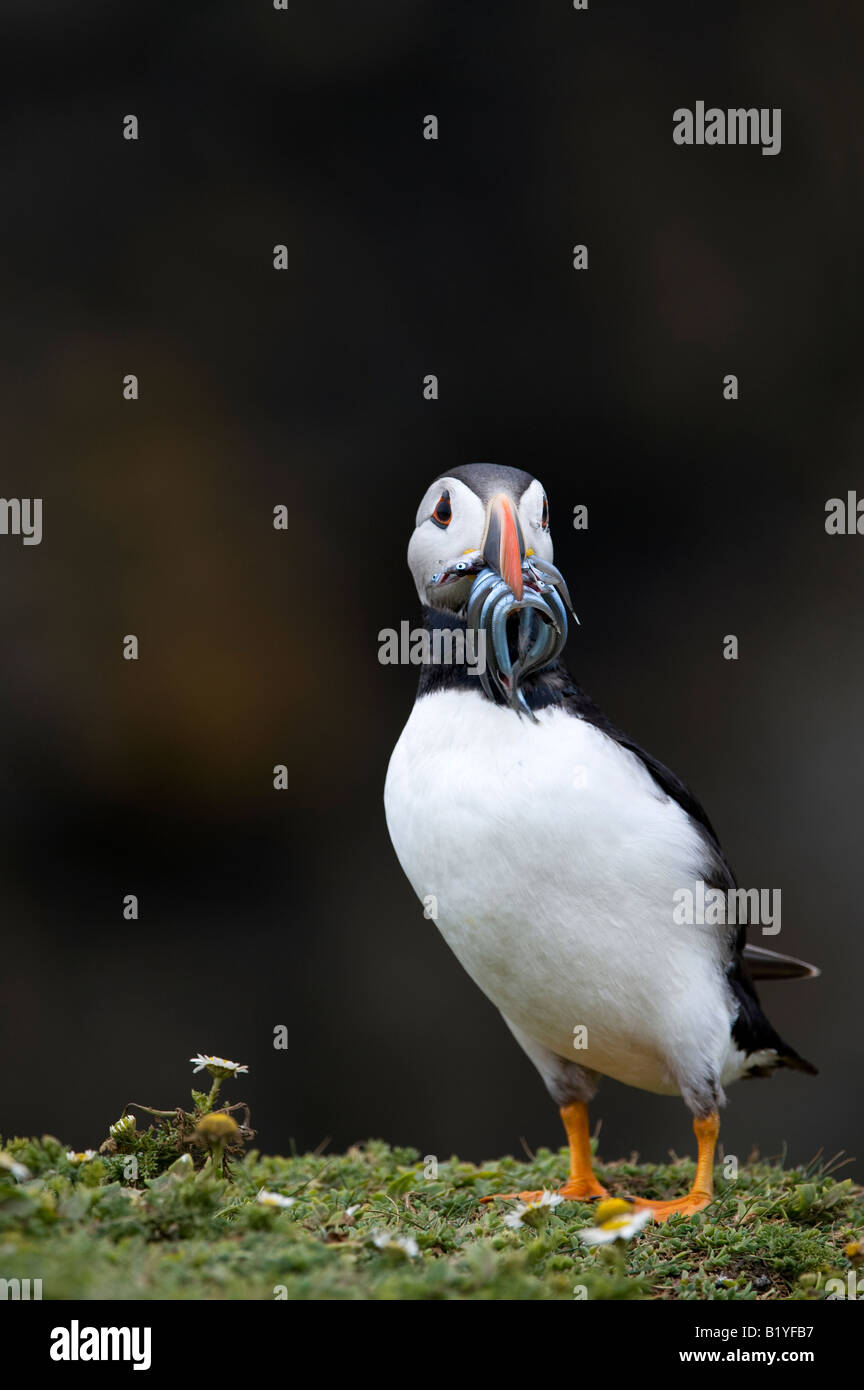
528 590
503 543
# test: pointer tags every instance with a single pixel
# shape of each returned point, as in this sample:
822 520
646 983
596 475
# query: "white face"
440 539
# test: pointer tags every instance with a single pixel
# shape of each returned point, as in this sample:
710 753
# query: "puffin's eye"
544 516
442 513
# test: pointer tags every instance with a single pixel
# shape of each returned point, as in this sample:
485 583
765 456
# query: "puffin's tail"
770 965
786 1057
751 1030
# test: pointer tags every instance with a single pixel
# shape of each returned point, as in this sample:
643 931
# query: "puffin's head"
476 515
481 550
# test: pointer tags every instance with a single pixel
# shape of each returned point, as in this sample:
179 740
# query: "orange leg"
581 1185
702 1191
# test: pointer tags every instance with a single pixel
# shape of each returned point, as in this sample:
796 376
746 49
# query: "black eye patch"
443 511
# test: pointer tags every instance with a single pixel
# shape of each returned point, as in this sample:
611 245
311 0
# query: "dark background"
706 517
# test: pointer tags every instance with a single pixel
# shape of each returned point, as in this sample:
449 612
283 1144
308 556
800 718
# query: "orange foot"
574 1190
684 1206
582 1189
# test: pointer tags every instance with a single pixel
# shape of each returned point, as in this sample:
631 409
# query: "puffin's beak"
503 544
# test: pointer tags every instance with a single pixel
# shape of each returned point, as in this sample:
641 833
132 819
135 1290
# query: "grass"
183 1231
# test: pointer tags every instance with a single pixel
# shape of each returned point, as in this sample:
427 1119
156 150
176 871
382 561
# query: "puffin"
551 850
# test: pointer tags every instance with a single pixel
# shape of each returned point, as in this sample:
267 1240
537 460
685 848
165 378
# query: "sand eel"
554 847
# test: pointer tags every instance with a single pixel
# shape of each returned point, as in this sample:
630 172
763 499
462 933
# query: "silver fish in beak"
522 634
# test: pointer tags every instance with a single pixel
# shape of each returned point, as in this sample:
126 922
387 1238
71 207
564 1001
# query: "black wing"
751 1030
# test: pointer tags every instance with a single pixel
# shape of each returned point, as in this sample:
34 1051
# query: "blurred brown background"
303 388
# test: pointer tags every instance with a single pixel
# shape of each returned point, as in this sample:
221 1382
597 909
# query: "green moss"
183 1232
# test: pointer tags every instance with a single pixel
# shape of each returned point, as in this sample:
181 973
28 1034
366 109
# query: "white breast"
554 857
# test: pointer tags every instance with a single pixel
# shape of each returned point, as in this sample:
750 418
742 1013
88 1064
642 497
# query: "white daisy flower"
125 1125
385 1240
616 1220
513 1219
217 1066
84 1157
18 1171
273 1199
